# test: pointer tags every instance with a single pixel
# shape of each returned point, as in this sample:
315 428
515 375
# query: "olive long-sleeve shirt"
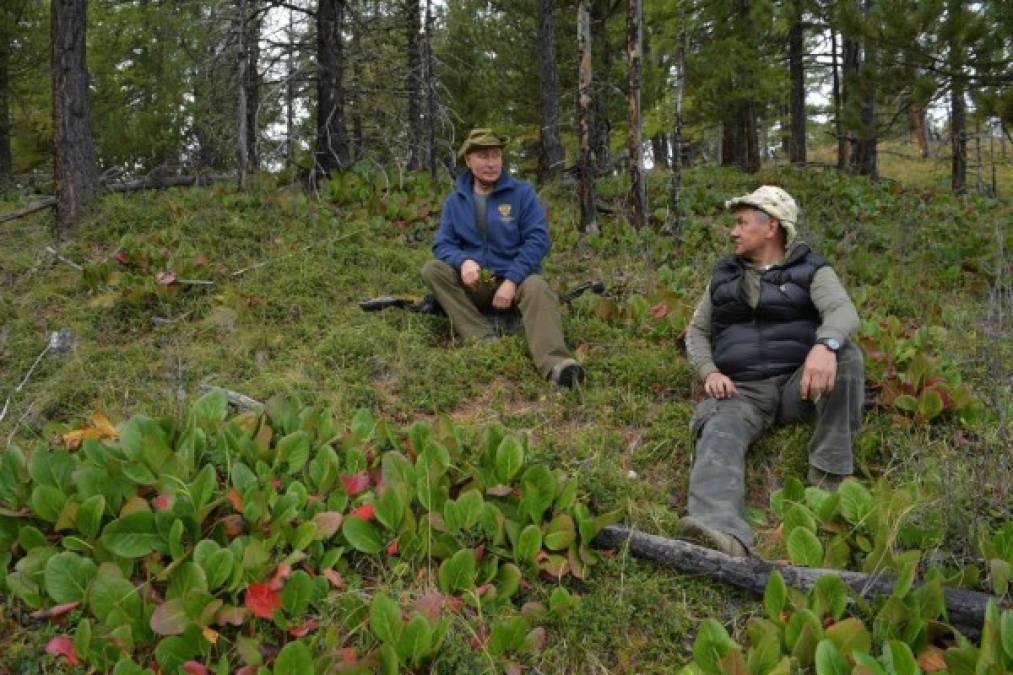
838 318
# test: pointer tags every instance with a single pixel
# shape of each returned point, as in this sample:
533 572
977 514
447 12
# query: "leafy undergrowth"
228 541
256 293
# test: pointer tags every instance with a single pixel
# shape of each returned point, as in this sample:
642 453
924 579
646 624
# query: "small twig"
235 398
59 341
194 282
56 254
17 425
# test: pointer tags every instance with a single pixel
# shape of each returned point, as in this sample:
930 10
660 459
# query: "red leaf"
430 605
484 588
479 552
304 629
195 668
355 483
349 654
165 278
365 511
233 525
121 257
54 611
392 548
248 670
659 310
162 502
236 500
62 645
200 260
282 573
262 600
332 576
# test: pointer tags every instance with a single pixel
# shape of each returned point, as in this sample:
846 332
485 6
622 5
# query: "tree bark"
252 86
842 149
331 148
550 157
958 114
413 84
74 170
966 609
868 137
634 140
588 215
849 73
659 150
675 190
290 92
918 130
600 126
430 94
242 61
796 73
6 161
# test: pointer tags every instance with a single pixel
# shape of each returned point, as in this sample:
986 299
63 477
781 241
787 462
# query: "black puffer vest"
774 338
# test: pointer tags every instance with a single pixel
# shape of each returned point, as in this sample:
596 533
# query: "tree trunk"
331 150
796 73
600 126
918 130
675 190
6 162
868 136
413 83
74 170
290 93
842 148
958 114
358 140
850 96
252 87
634 141
588 215
659 150
242 60
430 94
550 157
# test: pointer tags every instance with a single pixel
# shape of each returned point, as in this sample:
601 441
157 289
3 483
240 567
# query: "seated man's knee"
850 358
534 284
435 270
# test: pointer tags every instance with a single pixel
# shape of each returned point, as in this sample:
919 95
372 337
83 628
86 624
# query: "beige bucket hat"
773 201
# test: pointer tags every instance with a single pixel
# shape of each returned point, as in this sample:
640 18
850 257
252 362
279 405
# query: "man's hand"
504 295
819 373
718 385
470 271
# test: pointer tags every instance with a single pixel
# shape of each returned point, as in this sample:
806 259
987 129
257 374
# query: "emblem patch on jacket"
504 212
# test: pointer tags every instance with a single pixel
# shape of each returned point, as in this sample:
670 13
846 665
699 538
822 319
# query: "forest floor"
290 325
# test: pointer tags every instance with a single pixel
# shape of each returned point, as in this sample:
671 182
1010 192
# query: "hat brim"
470 146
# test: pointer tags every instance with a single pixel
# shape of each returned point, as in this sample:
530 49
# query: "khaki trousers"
538 305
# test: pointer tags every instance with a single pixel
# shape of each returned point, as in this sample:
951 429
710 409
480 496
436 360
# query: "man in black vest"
770 338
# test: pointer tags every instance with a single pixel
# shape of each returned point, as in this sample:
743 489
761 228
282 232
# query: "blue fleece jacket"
518 236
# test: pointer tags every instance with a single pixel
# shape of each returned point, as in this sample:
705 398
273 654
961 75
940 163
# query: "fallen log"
129 186
241 401
965 609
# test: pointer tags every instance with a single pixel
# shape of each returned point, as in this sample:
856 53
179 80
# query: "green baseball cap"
481 138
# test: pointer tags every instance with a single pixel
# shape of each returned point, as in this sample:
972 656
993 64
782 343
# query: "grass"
292 327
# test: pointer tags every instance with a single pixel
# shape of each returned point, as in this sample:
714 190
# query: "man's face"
752 231
485 163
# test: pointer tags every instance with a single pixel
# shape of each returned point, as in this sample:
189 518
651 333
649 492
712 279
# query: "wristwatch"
830 343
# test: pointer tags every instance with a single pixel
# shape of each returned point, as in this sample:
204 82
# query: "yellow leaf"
210 634
99 428
931 660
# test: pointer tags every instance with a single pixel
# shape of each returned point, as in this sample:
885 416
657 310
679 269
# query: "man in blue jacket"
488 252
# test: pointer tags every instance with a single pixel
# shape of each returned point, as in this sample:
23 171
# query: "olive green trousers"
537 303
723 430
